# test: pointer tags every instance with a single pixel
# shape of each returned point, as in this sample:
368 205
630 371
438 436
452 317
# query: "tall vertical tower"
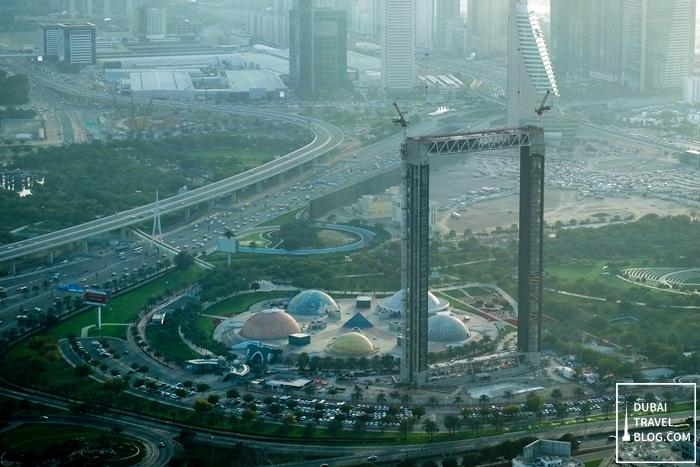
445 11
424 27
570 38
530 73
658 40
487 28
398 49
317 47
605 40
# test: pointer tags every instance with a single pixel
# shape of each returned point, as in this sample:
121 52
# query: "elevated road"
326 137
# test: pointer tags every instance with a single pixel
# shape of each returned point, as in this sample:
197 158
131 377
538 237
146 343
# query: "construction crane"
402 118
540 110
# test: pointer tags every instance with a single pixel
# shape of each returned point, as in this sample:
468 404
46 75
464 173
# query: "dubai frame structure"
416 153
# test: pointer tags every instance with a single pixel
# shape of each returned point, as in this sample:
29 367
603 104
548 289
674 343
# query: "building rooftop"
245 80
161 80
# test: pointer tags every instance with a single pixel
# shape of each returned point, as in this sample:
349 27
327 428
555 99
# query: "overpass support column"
187 215
14 266
122 233
258 187
84 248
281 178
49 256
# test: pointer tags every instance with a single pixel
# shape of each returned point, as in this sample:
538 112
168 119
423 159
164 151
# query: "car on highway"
372 458
43 417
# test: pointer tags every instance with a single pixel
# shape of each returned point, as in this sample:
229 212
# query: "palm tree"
458 399
561 410
430 427
579 392
556 394
381 398
509 394
433 401
406 399
259 424
35 289
484 399
607 407
452 424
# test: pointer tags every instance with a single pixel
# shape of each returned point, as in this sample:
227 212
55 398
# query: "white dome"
446 328
394 303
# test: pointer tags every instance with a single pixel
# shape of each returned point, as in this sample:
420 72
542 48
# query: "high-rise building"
71 43
487 29
691 90
148 21
445 12
424 27
48 39
317 47
79 8
658 40
178 24
398 46
605 40
530 73
570 24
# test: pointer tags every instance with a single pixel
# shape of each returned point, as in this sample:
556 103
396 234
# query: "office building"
71 43
317 47
148 21
487 29
48 39
605 40
691 90
79 8
398 49
445 12
179 25
530 73
424 26
570 37
658 40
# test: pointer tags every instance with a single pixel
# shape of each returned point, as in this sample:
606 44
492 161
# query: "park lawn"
169 343
250 157
254 237
240 303
117 330
593 463
125 308
476 291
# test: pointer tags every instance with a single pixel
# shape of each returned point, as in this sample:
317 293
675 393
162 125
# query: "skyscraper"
398 46
76 44
487 28
658 40
530 73
570 37
317 47
605 40
424 27
445 11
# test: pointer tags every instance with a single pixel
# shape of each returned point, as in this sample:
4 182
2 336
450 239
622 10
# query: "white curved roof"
394 303
352 343
445 328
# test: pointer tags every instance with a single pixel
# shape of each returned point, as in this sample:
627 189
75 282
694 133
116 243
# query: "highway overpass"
326 137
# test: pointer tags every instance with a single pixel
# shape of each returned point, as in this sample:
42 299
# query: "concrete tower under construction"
416 153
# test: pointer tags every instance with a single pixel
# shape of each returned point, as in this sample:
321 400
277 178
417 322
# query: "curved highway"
326 138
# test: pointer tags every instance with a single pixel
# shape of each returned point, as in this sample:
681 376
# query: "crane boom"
540 110
402 119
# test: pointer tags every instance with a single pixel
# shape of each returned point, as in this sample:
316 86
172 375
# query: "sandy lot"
457 177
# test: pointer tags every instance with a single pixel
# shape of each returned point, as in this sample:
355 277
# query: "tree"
183 260
83 370
458 399
534 402
430 427
452 423
556 394
258 424
187 436
248 415
575 442
484 399
508 393
579 392
561 410
232 393
335 426
450 461
202 406
418 411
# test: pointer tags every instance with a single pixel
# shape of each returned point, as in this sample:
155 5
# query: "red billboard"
95 297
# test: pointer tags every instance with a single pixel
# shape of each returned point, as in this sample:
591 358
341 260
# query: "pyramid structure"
358 321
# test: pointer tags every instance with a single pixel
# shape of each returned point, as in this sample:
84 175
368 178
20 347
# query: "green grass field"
168 342
283 219
240 303
123 309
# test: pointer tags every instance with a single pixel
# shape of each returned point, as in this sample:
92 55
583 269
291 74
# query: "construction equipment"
540 110
402 119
